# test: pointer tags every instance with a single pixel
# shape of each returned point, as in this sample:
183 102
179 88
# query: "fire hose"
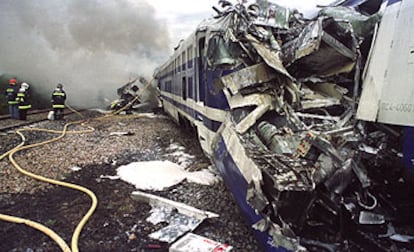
75 237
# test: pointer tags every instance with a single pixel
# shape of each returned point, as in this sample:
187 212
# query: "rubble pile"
329 181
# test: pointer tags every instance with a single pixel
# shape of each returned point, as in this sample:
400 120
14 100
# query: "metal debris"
288 139
295 84
137 95
180 217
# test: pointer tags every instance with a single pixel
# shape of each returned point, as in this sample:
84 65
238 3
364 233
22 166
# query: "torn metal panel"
181 208
362 25
263 104
319 50
251 119
178 224
247 77
180 217
239 100
271 57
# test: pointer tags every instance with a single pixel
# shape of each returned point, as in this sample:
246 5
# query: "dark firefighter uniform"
58 101
23 102
11 94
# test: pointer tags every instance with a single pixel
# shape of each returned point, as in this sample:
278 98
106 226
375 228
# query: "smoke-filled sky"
91 46
94 46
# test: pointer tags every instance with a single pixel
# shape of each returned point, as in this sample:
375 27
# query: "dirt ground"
119 223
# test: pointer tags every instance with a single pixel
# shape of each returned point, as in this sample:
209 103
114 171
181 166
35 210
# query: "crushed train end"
306 173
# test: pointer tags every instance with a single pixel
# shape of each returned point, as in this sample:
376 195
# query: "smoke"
92 47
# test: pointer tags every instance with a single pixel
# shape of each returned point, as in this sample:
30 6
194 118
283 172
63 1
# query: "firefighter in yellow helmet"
58 101
23 100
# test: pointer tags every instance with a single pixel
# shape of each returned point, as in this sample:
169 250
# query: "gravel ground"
119 222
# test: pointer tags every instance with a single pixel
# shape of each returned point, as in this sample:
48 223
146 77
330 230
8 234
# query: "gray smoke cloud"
91 46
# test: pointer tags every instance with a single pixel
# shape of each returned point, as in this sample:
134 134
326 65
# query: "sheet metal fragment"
180 217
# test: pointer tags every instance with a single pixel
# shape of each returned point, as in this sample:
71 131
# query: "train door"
201 66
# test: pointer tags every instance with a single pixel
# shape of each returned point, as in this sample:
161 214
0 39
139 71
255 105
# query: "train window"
179 63
190 56
218 52
191 88
184 60
201 65
184 88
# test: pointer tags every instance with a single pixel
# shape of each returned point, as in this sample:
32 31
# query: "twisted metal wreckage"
316 177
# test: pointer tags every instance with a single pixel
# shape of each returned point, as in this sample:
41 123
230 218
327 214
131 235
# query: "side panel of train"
188 93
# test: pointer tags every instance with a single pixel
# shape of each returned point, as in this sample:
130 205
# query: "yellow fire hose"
62 244
38 226
75 237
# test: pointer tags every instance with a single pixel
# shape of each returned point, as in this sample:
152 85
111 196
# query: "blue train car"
273 98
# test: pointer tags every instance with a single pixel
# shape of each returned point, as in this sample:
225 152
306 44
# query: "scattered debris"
180 217
121 133
195 243
76 168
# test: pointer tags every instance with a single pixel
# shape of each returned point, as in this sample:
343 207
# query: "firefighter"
58 101
11 94
23 101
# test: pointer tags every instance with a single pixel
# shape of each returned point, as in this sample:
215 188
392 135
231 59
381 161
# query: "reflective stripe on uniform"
58 106
25 106
12 102
10 90
59 94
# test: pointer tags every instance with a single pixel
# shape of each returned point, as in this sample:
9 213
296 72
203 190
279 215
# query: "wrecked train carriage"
274 110
137 95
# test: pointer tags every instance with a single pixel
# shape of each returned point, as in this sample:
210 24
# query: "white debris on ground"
178 153
158 175
76 168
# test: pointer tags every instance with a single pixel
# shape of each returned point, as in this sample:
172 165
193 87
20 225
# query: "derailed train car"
274 98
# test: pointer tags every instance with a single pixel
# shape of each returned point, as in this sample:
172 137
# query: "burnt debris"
137 95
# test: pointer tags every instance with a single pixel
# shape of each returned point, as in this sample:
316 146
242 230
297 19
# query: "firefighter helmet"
25 85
